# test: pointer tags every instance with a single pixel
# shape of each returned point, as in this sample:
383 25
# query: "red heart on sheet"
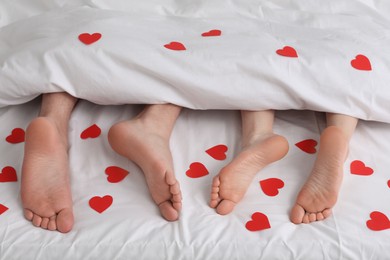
91 132
361 62
271 186
100 204
87 38
359 168
308 146
3 209
17 136
175 46
378 221
212 33
8 174
115 174
197 170
258 222
218 152
287 51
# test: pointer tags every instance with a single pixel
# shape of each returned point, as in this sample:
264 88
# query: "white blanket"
329 56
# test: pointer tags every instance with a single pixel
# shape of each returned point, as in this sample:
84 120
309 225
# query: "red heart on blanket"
87 38
361 62
197 170
287 51
17 136
378 221
8 174
91 132
175 46
259 222
271 186
218 152
3 209
359 168
308 146
100 204
212 33
115 174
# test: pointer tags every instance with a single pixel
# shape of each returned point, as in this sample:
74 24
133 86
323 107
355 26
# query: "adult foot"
145 146
231 184
319 193
45 185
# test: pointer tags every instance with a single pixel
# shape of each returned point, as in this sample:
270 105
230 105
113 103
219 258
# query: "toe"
297 214
44 223
225 207
36 220
168 211
326 213
320 216
65 220
312 217
52 225
28 214
306 218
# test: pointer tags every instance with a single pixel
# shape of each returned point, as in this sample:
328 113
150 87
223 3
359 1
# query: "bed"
115 218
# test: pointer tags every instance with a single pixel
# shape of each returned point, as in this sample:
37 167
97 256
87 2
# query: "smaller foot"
231 184
142 144
45 187
319 193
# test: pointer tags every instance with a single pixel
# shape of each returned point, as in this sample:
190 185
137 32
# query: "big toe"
225 207
168 211
65 220
297 213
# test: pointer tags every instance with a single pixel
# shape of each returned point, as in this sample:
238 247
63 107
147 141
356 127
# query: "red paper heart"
115 174
17 136
378 221
91 132
287 51
271 186
197 170
212 33
218 152
361 62
308 146
3 209
259 222
359 168
100 204
175 46
87 38
8 174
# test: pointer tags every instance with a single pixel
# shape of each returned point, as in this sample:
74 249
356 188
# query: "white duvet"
321 55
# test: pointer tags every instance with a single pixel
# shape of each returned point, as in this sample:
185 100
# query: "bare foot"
45 186
144 146
231 184
320 192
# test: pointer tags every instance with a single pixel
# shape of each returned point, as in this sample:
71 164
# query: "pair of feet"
317 196
46 192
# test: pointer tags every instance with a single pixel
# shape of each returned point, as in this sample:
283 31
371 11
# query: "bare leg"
260 147
45 186
145 141
319 193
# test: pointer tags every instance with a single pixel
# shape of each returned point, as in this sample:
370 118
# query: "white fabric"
131 228
240 69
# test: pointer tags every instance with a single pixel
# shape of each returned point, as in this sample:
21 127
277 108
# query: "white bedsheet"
132 228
